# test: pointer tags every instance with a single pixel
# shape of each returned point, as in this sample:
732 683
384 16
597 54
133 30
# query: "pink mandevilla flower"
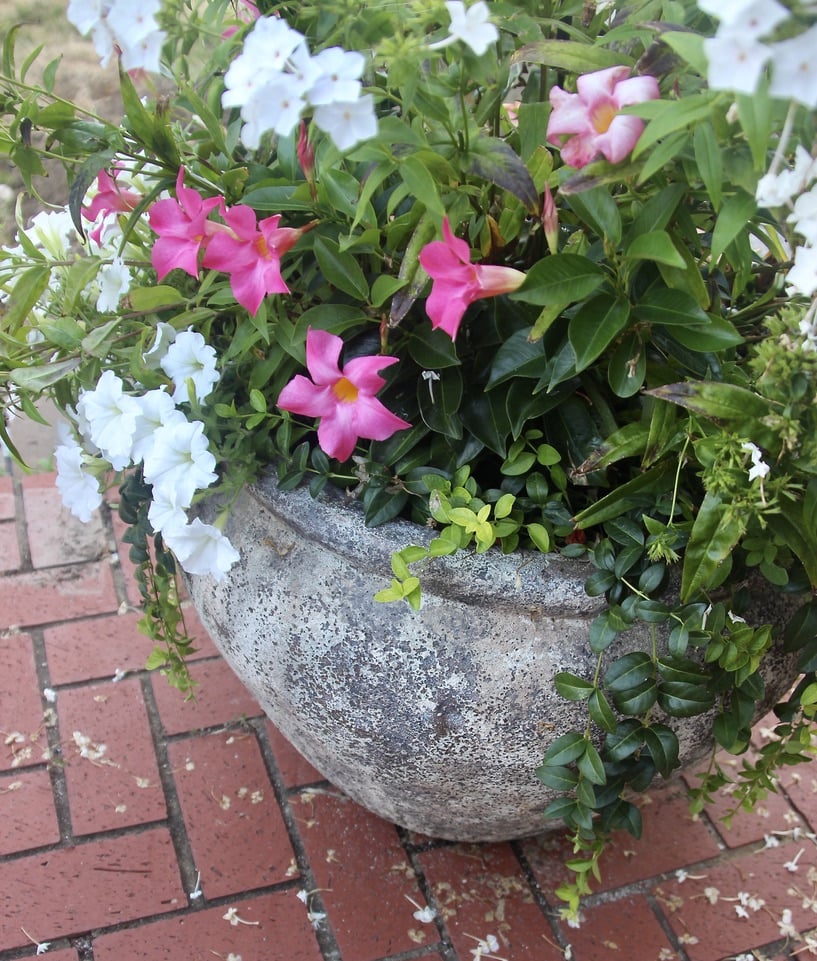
183 229
110 198
251 254
457 282
592 119
343 399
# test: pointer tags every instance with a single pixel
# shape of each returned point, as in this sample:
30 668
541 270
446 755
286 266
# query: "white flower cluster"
275 79
123 430
740 50
796 188
122 25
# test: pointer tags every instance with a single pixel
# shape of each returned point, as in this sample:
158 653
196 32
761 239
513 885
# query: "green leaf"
595 326
439 401
38 378
656 245
716 400
627 367
719 334
421 183
340 269
569 55
565 749
637 700
600 711
629 671
668 116
432 349
627 739
27 290
496 161
572 687
557 776
540 537
518 356
155 298
717 529
560 279
599 211
591 765
733 219
708 160
668 307
680 699
663 746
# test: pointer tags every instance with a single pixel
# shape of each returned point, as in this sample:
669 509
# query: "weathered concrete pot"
435 720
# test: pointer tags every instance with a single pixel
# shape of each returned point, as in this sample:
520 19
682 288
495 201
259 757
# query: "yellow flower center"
261 246
345 390
603 117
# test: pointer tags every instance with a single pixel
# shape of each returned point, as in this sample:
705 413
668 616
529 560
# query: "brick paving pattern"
135 825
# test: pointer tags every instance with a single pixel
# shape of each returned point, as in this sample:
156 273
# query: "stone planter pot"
435 720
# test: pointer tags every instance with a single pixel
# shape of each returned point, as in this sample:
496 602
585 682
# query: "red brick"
27 812
295 770
800 785
23 738
481 891
364 875
220 698
57 594
6 499
121 787
9 549
277 928
234 824
95 648
711 931
55 536
73 890
671 839
623 930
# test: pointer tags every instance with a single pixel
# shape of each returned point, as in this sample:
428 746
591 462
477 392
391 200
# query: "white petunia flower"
156 409
79 490
276 107
110 415
165 335
114 283
190 357
472 26
348 123
180 461
201 548
804 216
165 511
267 49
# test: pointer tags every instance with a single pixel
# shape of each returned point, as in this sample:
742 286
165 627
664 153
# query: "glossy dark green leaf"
638 699
717 400
600 711
340 268
627 366
626 740
629 671
439 400
572 687
595 327
599 211
496 161
557 776
565 749
663 746
733 218
680 699
560 279
669 307
591 765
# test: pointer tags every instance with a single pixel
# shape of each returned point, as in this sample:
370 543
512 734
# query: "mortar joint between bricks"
324 933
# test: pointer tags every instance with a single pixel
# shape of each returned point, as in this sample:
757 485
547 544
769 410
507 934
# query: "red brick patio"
136 826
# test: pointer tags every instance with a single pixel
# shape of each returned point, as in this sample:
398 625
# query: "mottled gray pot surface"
435 720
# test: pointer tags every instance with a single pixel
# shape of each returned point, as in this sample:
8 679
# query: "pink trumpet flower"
343 399
457 282
109 199
183 229
591 119
250 253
